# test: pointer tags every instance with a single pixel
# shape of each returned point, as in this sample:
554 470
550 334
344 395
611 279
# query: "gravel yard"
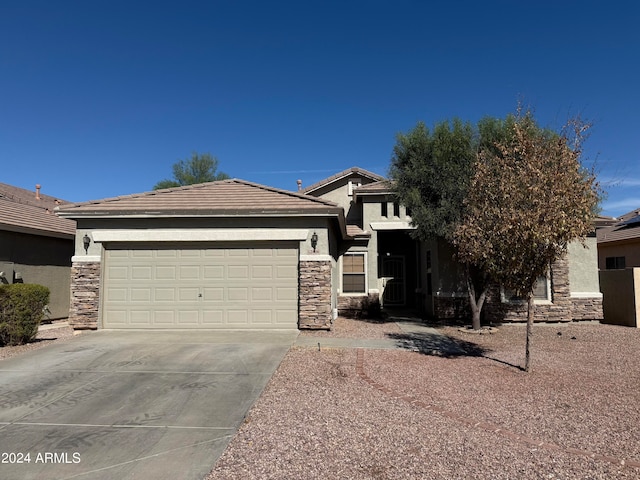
418 414
407 414
54 332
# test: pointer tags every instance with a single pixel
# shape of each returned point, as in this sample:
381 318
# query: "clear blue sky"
99 98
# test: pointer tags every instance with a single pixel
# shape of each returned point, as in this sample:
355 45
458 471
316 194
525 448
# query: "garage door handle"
200 295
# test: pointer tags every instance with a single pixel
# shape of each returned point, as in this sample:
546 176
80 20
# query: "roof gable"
361 172
224 197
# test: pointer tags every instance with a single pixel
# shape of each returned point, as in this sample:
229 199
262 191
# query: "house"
619 263
236 254
619 242
36 246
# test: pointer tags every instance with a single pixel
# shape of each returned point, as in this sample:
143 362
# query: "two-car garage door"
220 286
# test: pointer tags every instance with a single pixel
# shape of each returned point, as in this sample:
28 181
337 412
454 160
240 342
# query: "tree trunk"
476 305
527 353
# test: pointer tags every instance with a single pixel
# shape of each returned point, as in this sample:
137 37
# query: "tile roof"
379 187
342 174
21 211
224 197
356 231
627 228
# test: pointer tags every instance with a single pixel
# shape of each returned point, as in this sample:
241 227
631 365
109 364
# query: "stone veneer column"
560 310
85 295
315 294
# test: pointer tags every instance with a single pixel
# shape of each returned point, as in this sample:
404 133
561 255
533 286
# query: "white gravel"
318 418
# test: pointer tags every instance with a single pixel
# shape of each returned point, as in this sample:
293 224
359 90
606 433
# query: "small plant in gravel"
21 311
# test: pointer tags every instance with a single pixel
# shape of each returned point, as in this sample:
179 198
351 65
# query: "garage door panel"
140 318
165 295
224 287
215 294
164 317
116 294
238 272
140 294
213 272
189 272
237 317
164 272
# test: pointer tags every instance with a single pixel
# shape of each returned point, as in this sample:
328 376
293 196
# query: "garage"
211 286
229 254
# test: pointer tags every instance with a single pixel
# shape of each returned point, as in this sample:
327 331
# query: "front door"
393 281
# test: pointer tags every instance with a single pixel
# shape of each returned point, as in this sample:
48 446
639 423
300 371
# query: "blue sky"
100 98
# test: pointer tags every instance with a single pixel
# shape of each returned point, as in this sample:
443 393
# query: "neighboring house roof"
627 228
30 212
220 198
340 175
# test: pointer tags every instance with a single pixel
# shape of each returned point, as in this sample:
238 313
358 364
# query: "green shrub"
21 310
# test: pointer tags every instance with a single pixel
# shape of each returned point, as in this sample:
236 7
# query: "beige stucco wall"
630 250
621 302
583 267
267 226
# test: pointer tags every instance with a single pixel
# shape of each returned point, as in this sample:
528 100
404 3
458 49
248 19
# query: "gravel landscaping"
48 334
391 414
424 413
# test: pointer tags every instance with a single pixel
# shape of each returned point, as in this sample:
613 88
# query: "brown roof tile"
356 231
625 229
21 211
224 197
379 187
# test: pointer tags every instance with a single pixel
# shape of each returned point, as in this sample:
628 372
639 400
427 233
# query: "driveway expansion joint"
486 426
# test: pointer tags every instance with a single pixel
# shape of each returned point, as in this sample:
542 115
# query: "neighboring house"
235 254
619 262
36 246
619 243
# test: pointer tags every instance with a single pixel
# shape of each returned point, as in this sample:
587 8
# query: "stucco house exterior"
236 254
619 243
36 246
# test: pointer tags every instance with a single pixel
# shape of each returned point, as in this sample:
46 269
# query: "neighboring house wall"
629 249
621 289
41 260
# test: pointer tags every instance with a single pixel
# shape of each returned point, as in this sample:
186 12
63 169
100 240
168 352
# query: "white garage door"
236 286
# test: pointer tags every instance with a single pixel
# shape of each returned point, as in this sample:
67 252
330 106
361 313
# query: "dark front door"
393 281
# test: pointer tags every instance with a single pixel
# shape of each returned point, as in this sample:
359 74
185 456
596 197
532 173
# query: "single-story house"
36 245
236 254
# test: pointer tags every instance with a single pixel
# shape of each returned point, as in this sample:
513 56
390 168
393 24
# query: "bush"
21 310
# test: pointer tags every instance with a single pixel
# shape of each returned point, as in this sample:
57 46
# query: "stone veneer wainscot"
315 294
85 294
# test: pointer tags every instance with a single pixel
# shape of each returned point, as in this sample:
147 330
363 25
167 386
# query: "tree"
432 173
200 168
528 199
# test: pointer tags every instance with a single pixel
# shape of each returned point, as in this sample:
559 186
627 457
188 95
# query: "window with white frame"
353 273
541 291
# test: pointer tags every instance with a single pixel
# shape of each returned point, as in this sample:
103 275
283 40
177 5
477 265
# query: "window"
396 209
384 210
407 211
353 273
615 263
541 291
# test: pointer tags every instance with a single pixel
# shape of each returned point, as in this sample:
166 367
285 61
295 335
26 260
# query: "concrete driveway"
146 405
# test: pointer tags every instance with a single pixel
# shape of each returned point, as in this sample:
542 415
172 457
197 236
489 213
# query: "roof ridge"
287 192
342 174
